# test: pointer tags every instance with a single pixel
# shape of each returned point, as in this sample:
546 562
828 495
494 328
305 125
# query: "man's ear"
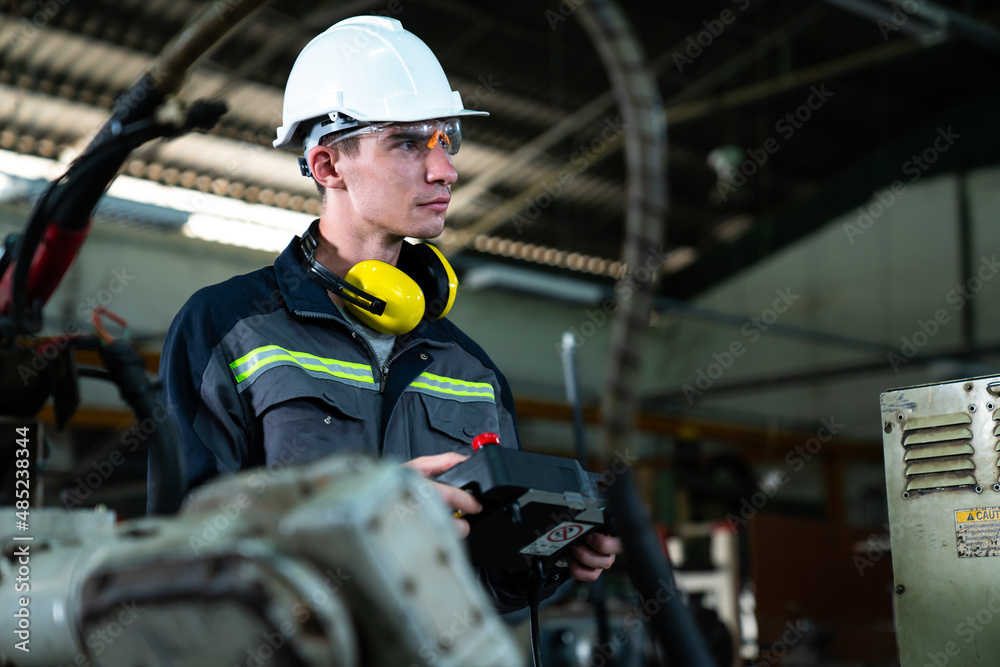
325 166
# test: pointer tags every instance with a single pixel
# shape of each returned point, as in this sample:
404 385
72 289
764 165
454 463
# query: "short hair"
351 147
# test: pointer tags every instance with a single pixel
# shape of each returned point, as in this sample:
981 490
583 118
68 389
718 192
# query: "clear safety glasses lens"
425 134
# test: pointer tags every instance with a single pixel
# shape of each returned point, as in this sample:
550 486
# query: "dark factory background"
832 197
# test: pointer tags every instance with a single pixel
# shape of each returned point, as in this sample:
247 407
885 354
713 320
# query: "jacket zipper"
385 369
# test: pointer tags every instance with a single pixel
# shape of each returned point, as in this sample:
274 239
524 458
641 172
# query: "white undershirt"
381 343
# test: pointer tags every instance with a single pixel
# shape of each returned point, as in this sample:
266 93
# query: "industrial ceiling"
770 104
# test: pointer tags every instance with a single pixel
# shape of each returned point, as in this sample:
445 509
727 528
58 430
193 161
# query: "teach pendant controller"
534 506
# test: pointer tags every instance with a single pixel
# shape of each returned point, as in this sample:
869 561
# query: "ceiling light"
241 233
208 216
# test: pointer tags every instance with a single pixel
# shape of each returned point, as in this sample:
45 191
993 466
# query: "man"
289 363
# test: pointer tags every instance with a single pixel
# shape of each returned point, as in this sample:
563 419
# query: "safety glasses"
419 137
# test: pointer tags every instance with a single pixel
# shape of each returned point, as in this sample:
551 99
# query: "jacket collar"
302 296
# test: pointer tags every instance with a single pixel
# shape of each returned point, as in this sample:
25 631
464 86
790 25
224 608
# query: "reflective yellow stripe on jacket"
456 390
250 366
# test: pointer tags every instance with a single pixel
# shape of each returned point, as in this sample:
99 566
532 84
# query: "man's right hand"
455 498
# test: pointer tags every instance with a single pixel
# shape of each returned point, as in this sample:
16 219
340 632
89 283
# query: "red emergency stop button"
485 439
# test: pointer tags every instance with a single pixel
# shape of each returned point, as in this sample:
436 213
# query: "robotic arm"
345 562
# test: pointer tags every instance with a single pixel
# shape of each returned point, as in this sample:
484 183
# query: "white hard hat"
363 69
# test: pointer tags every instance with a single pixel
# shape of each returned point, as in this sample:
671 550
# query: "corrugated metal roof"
532 70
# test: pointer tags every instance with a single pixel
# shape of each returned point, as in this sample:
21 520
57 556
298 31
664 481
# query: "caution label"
977 532
556 538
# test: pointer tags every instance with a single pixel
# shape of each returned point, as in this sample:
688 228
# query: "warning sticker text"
977 532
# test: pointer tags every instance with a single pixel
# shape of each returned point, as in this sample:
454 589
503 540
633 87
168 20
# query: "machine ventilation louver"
938 451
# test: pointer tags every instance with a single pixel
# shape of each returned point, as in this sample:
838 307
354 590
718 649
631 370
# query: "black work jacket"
263 369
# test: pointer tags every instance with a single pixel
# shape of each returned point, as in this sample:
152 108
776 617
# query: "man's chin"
428 229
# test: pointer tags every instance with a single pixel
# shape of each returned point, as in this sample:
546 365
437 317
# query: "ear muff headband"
422 282
352 294
433 273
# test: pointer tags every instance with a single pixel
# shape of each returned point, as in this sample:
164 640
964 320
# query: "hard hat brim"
289 139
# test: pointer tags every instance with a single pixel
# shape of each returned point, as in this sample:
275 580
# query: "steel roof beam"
464 196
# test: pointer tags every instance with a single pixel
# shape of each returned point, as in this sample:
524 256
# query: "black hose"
662 602
128 371
636 93
25 317
538 579
534 630
136 103
68 202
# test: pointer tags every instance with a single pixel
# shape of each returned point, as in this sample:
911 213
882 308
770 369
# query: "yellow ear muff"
404 300
449 277
432 272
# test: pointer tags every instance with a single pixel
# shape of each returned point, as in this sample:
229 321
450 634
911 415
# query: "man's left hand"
592 555
455 498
